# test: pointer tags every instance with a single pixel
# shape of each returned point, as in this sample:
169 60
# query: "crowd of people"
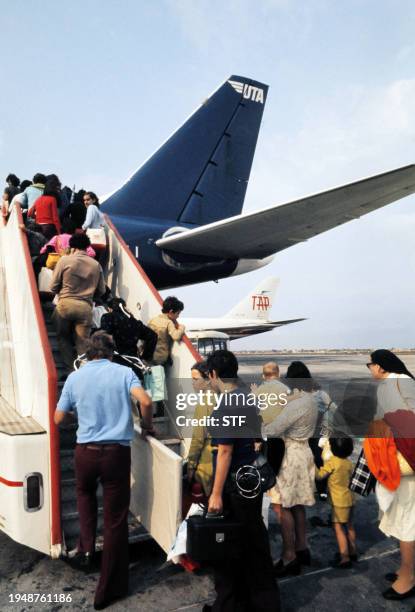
290 436
307 440
249 577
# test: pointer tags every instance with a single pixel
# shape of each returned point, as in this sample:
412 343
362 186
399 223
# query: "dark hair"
79 196
39 178
115 304
389 362
224 363
341 447
68 226
172 303
53 178
25 184
53 186
202 368
79 241
12 178
299 377
93 196
100 346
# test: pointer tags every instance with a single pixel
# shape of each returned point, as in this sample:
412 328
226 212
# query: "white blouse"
396 392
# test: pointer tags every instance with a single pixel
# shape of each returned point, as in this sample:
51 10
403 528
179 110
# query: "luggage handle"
213 515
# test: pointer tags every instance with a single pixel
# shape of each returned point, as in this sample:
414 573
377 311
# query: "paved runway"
156 587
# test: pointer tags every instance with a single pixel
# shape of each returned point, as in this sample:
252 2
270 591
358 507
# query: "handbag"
44 280
362 480
52 260
252 479
155 383
404 466
97 237
213 538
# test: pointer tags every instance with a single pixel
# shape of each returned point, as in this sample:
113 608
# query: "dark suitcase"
213 538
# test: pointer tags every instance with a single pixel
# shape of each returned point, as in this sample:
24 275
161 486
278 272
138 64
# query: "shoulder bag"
362 480
253 479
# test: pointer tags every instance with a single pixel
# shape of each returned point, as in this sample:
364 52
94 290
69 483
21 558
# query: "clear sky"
92 87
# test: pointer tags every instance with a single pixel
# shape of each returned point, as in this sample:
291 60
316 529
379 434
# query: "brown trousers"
111 465
73 319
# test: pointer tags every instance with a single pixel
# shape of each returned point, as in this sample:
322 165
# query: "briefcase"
213 538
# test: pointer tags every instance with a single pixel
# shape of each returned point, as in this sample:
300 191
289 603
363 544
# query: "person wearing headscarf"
396 407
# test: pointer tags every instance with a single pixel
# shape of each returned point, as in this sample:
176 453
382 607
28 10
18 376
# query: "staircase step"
136 533
70 525
67 461
173 443
68 498
163 427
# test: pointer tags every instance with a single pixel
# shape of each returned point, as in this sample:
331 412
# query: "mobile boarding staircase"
37 481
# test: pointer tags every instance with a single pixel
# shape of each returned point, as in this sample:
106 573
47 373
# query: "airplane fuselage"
167 269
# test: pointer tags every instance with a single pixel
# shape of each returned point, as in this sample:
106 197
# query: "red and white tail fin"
258 303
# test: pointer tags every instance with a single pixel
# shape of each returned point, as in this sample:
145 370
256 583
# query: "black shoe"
81 561
391 577
207 608
108 602
303 556
393 595
337 557
293 568
339 564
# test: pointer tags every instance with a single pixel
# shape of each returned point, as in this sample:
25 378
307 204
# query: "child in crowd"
338 469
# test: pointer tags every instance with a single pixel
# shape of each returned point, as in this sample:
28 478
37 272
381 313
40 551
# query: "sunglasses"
368 365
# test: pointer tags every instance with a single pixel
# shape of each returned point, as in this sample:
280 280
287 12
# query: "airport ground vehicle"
37 486
205 342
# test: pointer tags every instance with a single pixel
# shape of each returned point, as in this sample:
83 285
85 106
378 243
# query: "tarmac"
159 587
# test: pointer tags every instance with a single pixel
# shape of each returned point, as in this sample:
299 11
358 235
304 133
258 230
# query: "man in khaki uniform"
76 279
167 329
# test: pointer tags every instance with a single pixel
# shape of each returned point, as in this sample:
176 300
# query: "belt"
100 447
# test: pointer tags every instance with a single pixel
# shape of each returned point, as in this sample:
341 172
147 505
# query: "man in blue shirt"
100 394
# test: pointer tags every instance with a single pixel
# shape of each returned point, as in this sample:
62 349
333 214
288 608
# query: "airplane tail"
200 174
258 303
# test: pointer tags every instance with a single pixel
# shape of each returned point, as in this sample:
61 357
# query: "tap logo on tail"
260 302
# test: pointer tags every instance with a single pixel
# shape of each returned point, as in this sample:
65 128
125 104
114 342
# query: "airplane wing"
259 234
251 330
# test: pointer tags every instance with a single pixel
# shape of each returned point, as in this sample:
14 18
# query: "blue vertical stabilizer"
200 174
